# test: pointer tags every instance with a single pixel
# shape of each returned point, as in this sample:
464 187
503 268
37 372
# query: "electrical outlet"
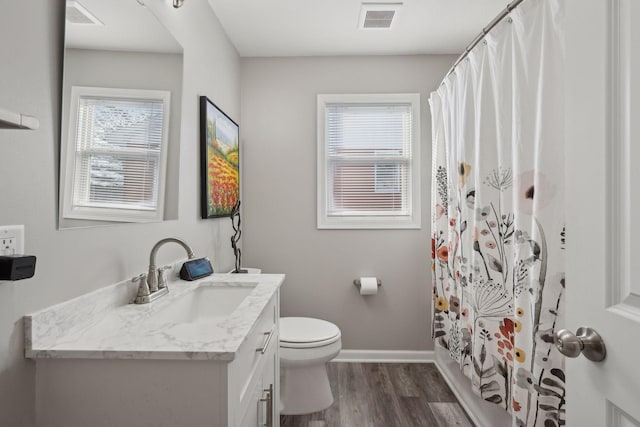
11 239
8 246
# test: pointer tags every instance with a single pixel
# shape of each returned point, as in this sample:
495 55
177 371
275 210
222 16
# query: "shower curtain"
498 215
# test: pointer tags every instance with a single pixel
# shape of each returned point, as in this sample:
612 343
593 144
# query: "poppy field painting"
220 160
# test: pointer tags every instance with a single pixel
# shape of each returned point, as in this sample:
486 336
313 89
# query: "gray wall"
129 70
279 171
278 137
72 262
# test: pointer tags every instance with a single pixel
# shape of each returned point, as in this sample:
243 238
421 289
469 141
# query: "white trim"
412 221
481 413
619 177
385 356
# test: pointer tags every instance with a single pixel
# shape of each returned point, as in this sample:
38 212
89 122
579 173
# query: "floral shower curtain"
498 215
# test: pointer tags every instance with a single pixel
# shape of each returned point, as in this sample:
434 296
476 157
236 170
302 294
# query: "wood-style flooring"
385 395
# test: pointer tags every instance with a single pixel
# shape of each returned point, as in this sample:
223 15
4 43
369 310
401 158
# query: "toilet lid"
307 330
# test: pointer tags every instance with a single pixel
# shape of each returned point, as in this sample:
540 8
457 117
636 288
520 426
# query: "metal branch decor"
235 223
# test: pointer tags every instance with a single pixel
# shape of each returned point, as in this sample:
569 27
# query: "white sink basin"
208 301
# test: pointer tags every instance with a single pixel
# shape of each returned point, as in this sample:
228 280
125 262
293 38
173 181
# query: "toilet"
306 345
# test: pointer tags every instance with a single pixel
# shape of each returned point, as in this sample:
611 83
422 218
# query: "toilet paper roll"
368 286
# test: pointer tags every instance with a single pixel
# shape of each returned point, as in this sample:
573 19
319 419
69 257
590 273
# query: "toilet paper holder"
358 284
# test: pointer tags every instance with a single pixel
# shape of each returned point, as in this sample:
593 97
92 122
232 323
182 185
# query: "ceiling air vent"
78 14
378 15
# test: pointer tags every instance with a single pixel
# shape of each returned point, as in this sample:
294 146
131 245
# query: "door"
603 207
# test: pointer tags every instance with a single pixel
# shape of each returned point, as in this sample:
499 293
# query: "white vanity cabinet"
85 379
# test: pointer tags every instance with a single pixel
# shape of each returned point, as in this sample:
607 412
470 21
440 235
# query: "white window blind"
118 155
368 161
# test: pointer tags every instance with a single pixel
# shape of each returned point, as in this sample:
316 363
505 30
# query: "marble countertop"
105 325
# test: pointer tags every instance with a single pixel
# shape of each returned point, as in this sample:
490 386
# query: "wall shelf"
10 120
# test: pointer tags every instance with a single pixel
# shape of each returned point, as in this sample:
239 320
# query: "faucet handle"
143 288
162 276
139 277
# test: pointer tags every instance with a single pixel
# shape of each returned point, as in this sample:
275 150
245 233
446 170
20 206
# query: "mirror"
119 44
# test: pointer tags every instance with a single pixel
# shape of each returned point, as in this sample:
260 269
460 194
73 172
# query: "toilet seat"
307 332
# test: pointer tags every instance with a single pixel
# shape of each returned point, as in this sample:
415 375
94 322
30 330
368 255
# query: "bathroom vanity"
205 354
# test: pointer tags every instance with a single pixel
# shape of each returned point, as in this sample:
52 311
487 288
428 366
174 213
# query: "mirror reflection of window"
116 154
119 44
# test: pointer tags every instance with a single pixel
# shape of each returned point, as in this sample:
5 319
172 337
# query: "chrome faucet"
154 284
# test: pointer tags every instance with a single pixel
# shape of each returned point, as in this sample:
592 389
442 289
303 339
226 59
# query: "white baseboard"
385 356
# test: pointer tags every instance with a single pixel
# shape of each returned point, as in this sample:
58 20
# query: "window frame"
69 165
382 221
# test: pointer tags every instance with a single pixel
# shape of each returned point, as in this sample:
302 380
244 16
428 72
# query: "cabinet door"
254 413
261 412
262 408
270 386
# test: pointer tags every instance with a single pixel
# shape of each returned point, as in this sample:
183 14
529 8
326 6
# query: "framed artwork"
220 160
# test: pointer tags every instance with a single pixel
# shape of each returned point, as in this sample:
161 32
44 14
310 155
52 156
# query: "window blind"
117 153
369 153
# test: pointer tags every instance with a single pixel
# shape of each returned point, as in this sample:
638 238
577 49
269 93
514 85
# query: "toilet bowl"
306 345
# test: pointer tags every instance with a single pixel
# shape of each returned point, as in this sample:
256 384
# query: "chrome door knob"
585 341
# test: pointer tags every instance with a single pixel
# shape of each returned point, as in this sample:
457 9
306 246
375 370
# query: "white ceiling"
330 27
128 26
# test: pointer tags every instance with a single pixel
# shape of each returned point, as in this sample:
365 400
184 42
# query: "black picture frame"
219 161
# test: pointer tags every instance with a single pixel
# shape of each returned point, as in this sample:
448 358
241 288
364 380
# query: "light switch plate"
11 239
